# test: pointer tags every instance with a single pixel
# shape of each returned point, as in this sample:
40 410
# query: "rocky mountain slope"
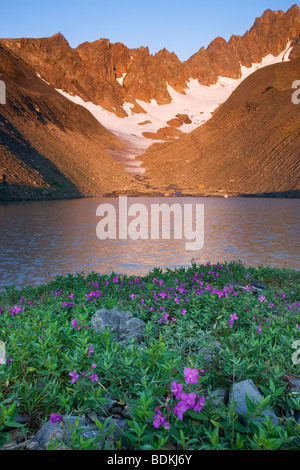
49 146
250 145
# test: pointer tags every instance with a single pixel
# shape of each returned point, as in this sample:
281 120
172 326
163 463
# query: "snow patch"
120 80
38 75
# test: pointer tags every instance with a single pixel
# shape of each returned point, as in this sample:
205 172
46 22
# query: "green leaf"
239 427
272 444
197 415
251 407
216 423
280 391
214 437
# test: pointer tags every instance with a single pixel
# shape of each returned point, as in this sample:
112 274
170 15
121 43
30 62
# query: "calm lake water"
58 237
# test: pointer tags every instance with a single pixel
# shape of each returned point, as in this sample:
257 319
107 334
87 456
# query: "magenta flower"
176 389
74 376
191 375
74 323
232 318
90 350
189 399
179 409
160 419
94 377
200 404
55 418
261 298
16 309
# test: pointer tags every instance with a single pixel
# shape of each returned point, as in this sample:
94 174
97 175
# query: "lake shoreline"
41 237
148 192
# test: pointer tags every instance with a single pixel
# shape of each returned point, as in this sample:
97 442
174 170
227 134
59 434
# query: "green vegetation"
48 336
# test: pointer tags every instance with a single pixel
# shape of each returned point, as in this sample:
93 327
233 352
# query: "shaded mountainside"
108 74
50 147
250 145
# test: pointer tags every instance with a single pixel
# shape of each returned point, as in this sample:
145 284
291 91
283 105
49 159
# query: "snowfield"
198 103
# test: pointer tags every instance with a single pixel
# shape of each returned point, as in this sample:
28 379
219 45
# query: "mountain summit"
108 74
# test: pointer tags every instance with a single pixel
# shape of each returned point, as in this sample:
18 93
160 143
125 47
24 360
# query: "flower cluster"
233 317
16 309
186 401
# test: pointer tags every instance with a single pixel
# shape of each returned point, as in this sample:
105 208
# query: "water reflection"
60 236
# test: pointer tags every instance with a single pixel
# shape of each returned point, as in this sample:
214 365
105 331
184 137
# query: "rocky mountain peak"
110 74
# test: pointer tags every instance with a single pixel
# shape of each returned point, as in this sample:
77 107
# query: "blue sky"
182 26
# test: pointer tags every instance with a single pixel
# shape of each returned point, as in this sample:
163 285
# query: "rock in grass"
62 432
219 396
207 354
259 285
296 383
238 393
120 322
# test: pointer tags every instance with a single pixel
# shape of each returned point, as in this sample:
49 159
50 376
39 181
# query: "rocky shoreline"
8 193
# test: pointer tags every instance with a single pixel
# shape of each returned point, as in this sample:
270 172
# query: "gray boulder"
238 393
63 433
208 353
296 385
122 323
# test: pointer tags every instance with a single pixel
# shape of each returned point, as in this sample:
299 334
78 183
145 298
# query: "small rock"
296 382
127 412
122 323
220 395
207 354
116 410
169 446
238 393
296 387
21 419
49 430
260 285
